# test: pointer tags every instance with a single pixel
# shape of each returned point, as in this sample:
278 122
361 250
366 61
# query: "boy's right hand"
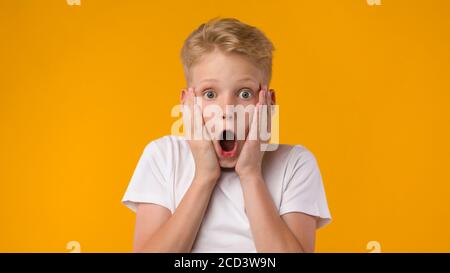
207 168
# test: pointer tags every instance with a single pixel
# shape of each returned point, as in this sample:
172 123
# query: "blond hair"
231 36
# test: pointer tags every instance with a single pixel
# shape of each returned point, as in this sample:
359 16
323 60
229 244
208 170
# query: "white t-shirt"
166 169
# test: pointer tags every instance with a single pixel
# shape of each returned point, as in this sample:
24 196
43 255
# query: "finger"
191 96
263 117
205 133
187 97
271 95
262 95
197 116
253 130
188 114
200 131
254 124
203 129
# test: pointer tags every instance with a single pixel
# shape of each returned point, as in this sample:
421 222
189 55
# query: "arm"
292 232
159 231
156 229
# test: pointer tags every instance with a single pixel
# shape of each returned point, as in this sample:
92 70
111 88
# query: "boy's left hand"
250 158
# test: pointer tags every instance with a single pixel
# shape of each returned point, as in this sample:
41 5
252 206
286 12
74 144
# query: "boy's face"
227 79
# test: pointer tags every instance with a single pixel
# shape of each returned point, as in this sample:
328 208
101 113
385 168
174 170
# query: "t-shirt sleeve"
304 190
149 183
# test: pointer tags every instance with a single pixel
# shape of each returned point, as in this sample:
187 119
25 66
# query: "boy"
222 193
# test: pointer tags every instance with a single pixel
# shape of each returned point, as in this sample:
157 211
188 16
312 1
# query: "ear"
272 96
183 96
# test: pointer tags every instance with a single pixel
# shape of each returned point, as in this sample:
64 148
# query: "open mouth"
228 143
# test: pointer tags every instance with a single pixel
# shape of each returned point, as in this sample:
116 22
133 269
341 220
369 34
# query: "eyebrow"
241 80
209 80
247 80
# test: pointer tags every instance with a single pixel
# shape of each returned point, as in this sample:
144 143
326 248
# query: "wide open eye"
209 94
245 94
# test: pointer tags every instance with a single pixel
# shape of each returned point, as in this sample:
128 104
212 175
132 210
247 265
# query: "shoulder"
289 161
302 162
302 154
292 154
166 144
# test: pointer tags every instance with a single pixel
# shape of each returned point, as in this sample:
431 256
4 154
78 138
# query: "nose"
226 103
227 114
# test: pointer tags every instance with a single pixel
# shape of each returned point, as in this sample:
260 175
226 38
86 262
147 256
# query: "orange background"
84 88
